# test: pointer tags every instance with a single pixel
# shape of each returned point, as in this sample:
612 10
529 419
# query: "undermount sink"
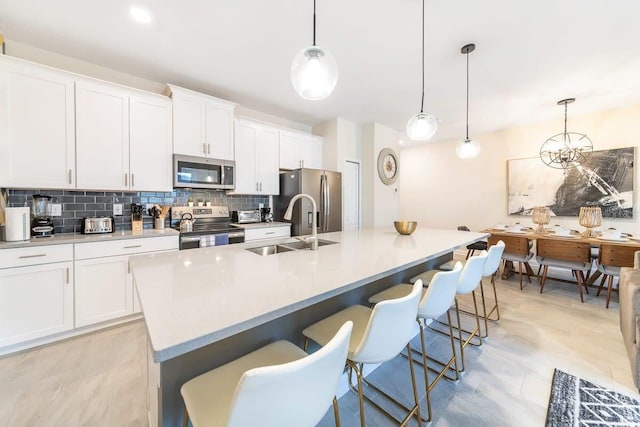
287 247
270 249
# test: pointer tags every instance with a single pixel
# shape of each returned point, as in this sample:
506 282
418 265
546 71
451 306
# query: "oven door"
194 241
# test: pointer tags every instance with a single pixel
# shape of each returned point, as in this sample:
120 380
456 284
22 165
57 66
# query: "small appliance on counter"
17 222
246 217
266 215
98 225
42 222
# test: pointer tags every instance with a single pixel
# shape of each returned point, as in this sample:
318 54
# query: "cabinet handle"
270 232
302 163
128 268
126 180
67 275
133 180
257 187
32 256
70 178
132 246
260 186
204 148
208 148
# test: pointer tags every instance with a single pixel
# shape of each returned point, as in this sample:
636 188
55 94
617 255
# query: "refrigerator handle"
327 203
323 201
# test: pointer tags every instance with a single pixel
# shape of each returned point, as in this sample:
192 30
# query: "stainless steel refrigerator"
326 189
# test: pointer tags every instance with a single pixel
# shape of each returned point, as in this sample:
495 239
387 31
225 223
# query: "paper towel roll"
17 224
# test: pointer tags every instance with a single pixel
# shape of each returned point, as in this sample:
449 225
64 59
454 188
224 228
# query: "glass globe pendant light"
467 148
314 71
422 126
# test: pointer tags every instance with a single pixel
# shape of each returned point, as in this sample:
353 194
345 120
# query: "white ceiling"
529 53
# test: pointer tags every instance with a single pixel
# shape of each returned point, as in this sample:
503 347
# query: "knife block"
136 224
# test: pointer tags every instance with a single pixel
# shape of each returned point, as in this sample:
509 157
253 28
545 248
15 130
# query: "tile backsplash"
79 204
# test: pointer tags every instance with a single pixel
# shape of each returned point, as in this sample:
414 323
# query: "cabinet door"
245 152
312 152
188 126
150 144
37 130
267 161
102 136
103 289
290 150
35 301
219 131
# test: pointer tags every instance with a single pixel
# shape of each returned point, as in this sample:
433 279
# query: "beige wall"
380 202
440 190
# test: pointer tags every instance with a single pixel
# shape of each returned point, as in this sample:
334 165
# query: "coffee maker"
266 215
42 222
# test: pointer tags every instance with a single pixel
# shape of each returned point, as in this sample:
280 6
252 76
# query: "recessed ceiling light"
139 14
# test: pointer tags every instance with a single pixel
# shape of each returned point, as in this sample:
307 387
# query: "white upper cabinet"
127 130
202 124
37 129
102 136
150 143
256 152
300 150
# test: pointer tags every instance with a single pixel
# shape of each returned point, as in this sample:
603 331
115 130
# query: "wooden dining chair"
516 249
611 258
561 253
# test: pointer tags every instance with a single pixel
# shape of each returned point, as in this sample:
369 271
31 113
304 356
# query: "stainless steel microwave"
203 172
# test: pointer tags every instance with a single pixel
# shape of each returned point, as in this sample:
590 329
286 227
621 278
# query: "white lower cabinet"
36 300
103 289
103 282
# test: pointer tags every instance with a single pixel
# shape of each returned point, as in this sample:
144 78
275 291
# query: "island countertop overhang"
198 297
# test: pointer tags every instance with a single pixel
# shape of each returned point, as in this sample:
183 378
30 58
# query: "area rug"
577 402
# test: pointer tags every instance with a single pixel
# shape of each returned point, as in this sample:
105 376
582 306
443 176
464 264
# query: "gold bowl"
405 227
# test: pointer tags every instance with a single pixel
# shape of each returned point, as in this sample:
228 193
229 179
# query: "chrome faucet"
314 226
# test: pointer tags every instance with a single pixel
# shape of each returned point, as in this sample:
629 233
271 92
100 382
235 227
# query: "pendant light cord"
467 138
565 118
314 22
422 101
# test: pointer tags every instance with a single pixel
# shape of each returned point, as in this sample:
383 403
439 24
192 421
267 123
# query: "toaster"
245 217
97 225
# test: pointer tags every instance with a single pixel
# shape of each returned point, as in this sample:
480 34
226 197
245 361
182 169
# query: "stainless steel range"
211 226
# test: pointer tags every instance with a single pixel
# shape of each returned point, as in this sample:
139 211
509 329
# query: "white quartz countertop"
197 297
65 238
263 225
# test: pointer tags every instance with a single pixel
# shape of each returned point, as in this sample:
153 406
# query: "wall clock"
388 166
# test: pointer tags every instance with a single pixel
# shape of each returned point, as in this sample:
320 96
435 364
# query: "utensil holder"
158 223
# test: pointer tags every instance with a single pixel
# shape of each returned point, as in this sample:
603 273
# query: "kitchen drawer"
125 247
21 257
266 233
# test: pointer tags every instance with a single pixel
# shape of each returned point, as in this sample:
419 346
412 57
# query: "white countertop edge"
70 238
165 354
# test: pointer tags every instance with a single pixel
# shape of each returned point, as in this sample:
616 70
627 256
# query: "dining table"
625 239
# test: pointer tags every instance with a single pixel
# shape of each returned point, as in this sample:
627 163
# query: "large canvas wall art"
605 180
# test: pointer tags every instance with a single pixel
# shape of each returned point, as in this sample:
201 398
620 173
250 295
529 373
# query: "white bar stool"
275 386
379 334
436 300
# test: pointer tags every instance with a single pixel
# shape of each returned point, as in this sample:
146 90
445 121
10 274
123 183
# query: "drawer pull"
32 256
132 246
270 232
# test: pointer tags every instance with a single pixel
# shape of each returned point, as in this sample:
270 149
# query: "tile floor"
100 379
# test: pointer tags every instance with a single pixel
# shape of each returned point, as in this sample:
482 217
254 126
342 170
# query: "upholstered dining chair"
611 258
517 249
567 254
276 385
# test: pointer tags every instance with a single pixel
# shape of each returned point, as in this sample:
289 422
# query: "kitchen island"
204 307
